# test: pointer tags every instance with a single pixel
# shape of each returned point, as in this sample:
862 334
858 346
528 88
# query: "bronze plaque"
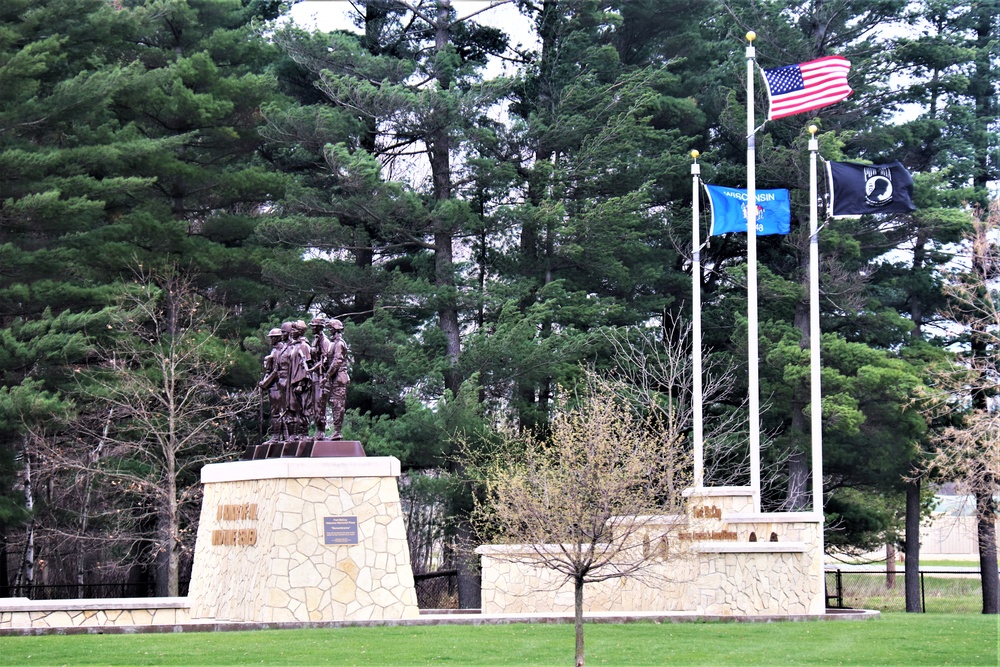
326 448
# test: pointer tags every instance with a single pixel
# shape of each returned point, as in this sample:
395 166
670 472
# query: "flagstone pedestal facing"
302 540
724 560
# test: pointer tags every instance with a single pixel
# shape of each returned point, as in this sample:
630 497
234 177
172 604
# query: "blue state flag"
729 210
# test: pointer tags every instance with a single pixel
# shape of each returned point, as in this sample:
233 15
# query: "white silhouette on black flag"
857 189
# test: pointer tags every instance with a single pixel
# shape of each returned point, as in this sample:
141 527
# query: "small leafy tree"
580 499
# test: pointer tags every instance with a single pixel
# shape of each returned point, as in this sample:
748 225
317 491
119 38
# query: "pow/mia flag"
857 189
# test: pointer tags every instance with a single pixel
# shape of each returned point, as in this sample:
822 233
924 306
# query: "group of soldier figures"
303 378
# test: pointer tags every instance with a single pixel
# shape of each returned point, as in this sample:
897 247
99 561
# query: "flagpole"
816 399
699 433
753 352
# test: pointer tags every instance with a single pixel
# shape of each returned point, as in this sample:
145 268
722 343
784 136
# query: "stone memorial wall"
720 559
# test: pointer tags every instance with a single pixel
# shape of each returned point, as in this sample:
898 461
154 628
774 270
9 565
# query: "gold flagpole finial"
813 130
694 155
751 36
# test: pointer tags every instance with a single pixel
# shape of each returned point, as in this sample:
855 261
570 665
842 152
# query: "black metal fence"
437 590
952 591
81 591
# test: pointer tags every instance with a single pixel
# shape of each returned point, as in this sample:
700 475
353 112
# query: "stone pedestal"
302 539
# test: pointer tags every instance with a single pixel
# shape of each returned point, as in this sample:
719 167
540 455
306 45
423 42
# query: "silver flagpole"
699 433
753 353
816 399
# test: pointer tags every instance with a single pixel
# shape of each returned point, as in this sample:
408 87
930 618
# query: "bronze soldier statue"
301 378
294 361
270 383
338 377
319 364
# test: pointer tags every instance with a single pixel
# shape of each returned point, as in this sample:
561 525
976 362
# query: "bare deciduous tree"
154 414
968 451
657 367
580 500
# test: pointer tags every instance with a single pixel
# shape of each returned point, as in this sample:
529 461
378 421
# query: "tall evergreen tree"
380 211
398 101
58 138
129 136
943 64
602 123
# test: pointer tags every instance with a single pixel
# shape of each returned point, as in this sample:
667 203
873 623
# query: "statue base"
292 540
303 449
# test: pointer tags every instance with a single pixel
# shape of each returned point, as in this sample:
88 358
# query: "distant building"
952 529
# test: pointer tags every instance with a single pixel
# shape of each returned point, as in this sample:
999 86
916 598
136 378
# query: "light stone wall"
24 613
291 573
704 576
731 499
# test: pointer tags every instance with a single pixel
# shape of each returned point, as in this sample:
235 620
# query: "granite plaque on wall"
340 530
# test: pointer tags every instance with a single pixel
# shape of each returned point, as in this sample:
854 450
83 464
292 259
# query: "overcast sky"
336 15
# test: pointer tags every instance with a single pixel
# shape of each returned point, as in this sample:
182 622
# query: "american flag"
798 88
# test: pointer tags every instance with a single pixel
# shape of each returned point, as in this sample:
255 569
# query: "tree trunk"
470 589
985 505
798 478
912 548
167 567
168 528
987 533
5 591
890 565
26 573
88 486
578 620
439 154
448 311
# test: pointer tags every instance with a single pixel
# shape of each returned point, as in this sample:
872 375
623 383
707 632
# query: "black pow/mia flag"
857 189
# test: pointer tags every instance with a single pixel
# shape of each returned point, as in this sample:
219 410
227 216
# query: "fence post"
840 589
923 599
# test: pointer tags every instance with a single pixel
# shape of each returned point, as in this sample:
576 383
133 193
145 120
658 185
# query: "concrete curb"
445 617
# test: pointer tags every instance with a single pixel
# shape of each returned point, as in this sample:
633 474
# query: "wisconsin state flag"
857 189
729 210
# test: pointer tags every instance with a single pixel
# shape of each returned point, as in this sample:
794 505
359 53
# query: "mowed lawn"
892 639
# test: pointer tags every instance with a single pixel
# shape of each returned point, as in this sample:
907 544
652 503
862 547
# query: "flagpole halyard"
753 352
697 417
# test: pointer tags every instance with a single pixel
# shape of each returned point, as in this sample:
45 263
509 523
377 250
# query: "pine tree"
602 123
129 136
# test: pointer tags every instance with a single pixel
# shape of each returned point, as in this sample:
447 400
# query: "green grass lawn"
893 639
